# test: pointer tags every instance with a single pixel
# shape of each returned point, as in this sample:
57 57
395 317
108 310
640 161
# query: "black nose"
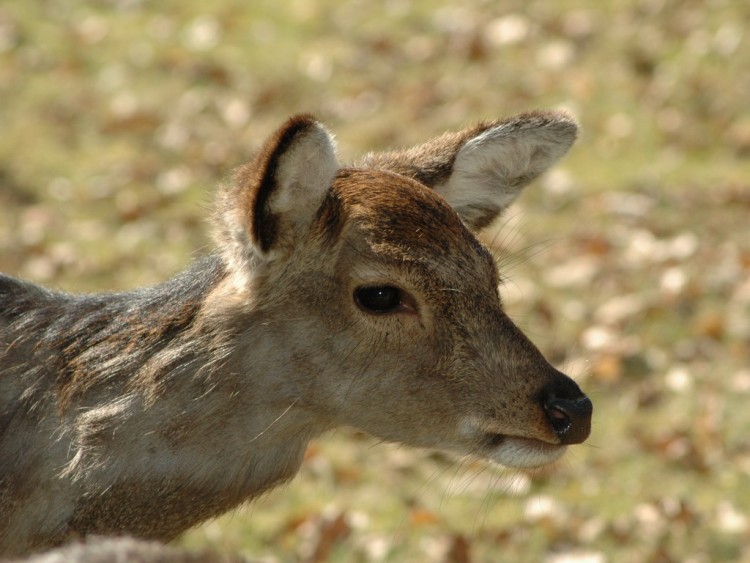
569 418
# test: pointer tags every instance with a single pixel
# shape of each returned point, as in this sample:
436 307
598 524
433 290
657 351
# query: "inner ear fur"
276 195
482 169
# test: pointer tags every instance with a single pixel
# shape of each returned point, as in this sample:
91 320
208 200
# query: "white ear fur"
491 169
294 172
275 196
303 175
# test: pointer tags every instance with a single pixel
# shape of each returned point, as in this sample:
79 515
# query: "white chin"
526 453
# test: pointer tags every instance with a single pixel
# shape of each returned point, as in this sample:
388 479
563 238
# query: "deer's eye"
379 298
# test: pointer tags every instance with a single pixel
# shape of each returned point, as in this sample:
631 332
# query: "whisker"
273 422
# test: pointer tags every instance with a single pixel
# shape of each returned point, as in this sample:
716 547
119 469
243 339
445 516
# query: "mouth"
519 452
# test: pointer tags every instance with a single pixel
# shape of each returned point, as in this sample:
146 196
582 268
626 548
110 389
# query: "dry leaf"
331 532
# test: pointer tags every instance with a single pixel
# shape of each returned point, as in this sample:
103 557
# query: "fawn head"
380 306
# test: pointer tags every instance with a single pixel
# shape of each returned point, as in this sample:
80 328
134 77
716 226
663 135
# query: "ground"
628 264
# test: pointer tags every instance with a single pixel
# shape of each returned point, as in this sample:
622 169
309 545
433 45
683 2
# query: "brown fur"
146 412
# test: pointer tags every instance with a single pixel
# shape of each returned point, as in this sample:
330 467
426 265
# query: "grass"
628 265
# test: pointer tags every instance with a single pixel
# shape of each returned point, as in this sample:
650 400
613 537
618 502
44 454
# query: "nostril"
559 419
570 418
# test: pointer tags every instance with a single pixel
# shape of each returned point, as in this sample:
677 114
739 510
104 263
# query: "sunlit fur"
149 411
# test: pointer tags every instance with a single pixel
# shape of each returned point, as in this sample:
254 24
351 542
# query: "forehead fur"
406 221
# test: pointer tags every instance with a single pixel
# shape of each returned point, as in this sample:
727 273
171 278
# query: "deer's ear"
481 170
274 198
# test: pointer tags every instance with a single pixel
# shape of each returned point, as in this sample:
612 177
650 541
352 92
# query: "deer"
124 549
338 295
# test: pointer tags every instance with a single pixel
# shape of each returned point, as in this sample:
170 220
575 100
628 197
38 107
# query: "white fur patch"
304 174
511 451
491 169
522 453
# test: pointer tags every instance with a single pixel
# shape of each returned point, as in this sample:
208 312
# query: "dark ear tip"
300 122
561 122
564 123
294 129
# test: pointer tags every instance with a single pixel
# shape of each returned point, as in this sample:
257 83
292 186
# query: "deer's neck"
191 421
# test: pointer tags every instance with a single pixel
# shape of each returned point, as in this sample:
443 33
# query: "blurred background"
628 264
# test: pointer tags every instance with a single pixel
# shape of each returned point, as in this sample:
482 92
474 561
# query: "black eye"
378 298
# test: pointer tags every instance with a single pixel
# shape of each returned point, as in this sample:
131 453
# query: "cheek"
384 353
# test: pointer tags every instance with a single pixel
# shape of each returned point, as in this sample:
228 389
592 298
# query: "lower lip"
518 452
